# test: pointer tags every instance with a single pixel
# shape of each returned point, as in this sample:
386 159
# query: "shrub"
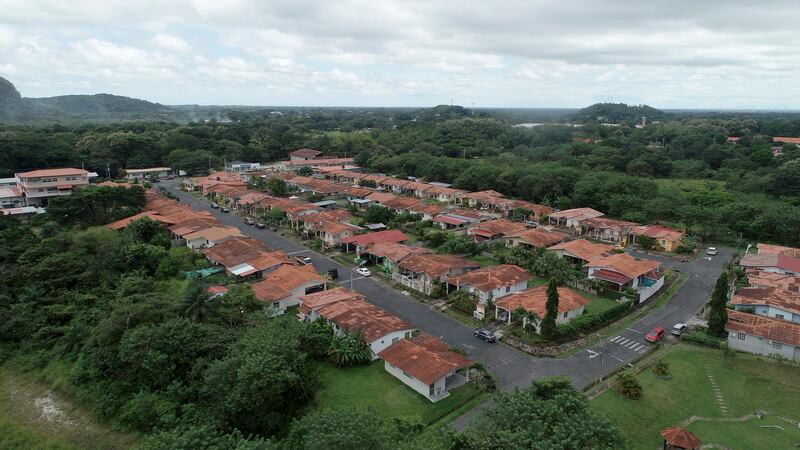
628 386
701 338
590 322
661 368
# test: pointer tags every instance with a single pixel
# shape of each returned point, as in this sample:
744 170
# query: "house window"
508 289
777 345
779 316
395 340
565 314
740 336
276 305
407 374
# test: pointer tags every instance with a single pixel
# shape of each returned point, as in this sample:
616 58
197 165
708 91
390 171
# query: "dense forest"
682 171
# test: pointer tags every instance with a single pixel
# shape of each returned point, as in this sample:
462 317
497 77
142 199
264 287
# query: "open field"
370 386
745 385
35 417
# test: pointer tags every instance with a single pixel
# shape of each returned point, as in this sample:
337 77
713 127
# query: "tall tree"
548 329
718 314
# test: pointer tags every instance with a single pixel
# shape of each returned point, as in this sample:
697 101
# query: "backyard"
371 387
746 384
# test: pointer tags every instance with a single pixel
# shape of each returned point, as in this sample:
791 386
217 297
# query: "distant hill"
619 113
70 108
443 113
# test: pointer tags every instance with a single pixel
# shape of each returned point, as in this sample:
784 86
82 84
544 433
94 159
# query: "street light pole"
602 358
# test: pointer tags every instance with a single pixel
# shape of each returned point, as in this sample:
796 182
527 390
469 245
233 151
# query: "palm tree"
196 304
349 349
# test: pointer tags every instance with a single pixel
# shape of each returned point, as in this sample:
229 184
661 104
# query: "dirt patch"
35 407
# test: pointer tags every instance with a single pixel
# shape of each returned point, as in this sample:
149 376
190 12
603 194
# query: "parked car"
655 334
225 209
678 329
249 221
711 251
485 335
303 260
215 205
260 225
333 274
363 271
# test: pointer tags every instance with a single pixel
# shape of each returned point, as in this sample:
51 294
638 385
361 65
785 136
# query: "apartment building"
38 186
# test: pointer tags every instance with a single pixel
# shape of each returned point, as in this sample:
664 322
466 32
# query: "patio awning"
611 276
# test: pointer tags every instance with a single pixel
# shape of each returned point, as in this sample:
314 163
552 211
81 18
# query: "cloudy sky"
527 53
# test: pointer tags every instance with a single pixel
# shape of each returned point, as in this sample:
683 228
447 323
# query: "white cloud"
170 43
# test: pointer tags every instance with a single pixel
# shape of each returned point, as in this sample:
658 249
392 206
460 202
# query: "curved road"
512 368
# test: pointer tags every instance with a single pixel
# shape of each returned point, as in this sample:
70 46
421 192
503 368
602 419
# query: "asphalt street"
512 368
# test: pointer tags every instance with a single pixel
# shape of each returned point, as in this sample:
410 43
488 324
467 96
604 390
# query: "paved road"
513 368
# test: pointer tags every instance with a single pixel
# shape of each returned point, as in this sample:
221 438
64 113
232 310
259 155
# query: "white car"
678 329
711 251
363 271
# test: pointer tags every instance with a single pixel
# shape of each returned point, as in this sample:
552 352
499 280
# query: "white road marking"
299 251
592 353
637 347
623 342
618 359
614 340
632 344
635 331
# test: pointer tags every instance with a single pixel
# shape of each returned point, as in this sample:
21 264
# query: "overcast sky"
528 53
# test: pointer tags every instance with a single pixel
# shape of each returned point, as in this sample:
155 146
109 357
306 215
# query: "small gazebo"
679 439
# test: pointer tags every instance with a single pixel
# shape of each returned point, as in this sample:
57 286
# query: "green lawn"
597 304
370 386
748 384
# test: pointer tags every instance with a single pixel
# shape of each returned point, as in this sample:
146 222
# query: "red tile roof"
769 260
535 300
53 173
306 153
625 264
319 299
658 232
152 215
394 252
614 277
424 357
778 298
577 213
358 315
497 227
766 327
488 278
276 284
583 249
767 249
607 223
678 437
786 282
435 266
214 290
787 140
364 240
539 237
232 248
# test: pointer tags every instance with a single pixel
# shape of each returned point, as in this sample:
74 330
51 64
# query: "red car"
655 335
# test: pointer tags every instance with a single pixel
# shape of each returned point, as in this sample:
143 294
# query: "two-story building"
38 186
151 172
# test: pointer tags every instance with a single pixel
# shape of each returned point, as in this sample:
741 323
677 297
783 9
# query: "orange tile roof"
393 251
778 298
277 284
487 279
766 327
658 232
232 248
152 215
215 233
52 173
539 237
376 237
424 357
435 266
306 153
678 437
577 213
481 196
251 197
626 264
768 249
318 299
583 249
786 282
535 300
381 197
538 210
787 140
358 315
607 223
497 227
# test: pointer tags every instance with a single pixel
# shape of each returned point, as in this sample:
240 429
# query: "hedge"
701 338
590 322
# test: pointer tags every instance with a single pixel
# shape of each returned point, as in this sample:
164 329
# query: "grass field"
34 417
365 387
598 304
747 384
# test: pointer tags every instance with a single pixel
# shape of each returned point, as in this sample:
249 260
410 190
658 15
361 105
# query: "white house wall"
415 384
383 342
761 346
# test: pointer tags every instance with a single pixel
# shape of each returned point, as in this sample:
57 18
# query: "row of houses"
420 361
766 314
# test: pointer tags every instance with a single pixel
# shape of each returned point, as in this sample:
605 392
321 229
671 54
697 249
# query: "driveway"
512 368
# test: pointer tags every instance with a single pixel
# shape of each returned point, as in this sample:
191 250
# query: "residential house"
770 302
758 278
216 291
772 262
481 198
609 230
380 197
667 239
11 197
388 254
443 194
421 272
456 219
249 200
38 186
769 249
312 302
242 166
283 287
490 283
570 305
580 251
535 212
427 365
379 328
23 213
425 211
786 140
534 239
572 218
360 242
343 163
256 263
621 271
304 154
151 172
210 237
763 335
151 215
394 185
494 229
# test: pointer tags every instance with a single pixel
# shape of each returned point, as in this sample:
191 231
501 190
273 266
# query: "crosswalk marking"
623 342
637 347
632 344
616 339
